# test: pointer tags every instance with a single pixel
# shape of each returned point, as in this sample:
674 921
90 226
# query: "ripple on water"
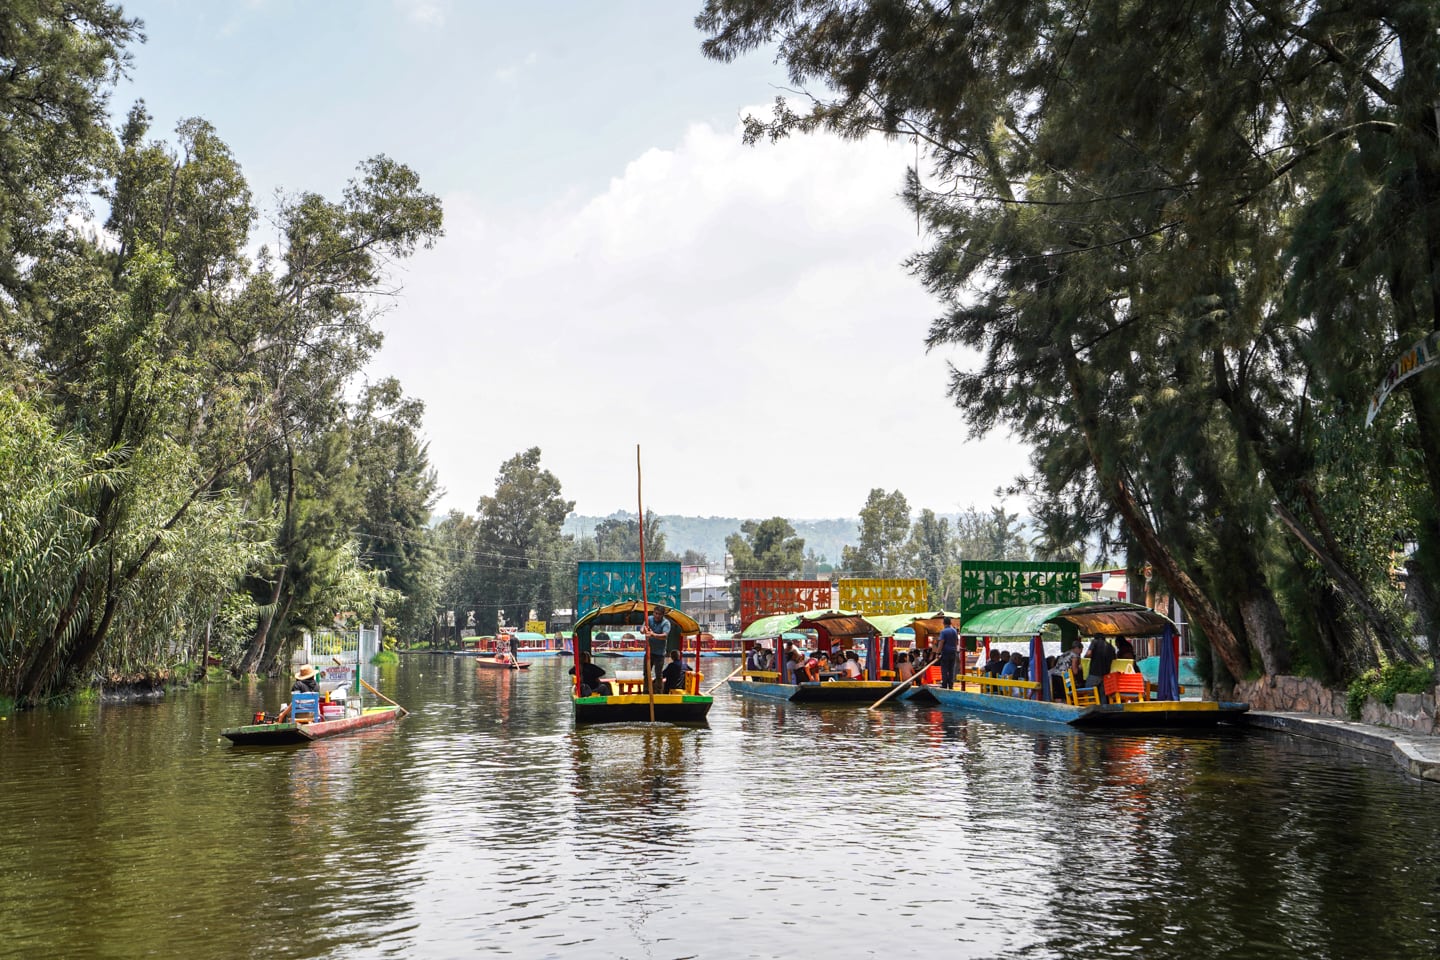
486 824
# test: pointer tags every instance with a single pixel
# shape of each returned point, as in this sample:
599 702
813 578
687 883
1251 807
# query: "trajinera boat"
631 698
1021 600
316 716
837 632
1123 699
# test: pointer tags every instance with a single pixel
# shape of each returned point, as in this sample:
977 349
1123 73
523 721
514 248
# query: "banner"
764 598
1421 355
598 582
878 597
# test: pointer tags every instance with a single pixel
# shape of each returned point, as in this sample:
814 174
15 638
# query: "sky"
618 267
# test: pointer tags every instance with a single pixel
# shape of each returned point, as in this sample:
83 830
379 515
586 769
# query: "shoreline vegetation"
1188 306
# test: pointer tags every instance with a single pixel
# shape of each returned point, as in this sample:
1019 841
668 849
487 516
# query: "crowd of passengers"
821 665
1002 665
1101 656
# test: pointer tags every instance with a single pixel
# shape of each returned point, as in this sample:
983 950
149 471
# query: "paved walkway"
1417 754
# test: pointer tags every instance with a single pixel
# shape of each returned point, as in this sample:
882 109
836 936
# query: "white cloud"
741 312
430 13
509 75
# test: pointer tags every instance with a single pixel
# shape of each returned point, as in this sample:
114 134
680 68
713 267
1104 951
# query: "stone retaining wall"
1412 711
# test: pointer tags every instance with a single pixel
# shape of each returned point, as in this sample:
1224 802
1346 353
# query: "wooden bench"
996 684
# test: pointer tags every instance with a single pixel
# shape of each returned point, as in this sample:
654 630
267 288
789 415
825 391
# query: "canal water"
485 824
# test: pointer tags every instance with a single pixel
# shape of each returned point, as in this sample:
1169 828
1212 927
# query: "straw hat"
305 672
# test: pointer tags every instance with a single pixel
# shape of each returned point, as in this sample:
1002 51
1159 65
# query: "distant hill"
707 534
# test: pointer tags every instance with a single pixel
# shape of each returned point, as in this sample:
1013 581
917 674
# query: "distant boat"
501 661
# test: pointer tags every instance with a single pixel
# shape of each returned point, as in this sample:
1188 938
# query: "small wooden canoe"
493 663
268 734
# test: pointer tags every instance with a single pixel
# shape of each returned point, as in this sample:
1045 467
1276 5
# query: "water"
485 824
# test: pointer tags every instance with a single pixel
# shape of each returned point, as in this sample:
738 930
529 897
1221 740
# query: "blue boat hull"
1149 714
834 691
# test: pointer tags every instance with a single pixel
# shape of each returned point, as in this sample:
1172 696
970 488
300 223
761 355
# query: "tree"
930 552
59 60
398 488
618 538
519 531
1184 249
884 529
763 550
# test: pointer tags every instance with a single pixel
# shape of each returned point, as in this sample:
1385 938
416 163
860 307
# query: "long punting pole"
644 586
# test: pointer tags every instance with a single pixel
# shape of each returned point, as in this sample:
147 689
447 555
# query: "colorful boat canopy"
1108 618
630 613
923 624
771 626
838 624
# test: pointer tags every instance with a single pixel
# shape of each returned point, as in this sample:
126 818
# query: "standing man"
515 647
657 629
949 651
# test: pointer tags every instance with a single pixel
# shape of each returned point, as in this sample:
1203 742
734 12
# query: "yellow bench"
995 684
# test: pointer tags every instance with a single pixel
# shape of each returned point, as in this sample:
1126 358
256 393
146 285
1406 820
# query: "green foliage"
765 550
884 529
517 543
1183 243
1382 685
384 658
182 460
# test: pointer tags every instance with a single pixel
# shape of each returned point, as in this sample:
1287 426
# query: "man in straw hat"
305 680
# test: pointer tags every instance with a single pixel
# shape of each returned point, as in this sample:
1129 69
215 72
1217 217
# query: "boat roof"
1107 618
924 624
838 624
630 613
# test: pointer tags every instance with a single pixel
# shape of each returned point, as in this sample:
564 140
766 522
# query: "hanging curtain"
1038 673
1168 686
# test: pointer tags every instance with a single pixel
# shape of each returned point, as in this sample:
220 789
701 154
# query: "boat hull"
635 708
490 663
1152 714
828 691
272 734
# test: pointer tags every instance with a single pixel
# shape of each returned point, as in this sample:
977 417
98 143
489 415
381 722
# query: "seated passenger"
851 667
591 684
674 673
904 670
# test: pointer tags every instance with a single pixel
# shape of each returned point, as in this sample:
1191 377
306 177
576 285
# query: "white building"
706 597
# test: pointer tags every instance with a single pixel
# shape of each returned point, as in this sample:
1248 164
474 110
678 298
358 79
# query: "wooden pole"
722 682
925 664
644 586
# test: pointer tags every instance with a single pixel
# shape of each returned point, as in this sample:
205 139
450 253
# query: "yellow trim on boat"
1161 706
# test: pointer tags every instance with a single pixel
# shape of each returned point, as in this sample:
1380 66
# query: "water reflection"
486 823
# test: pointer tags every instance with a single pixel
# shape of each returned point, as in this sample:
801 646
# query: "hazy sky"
618 267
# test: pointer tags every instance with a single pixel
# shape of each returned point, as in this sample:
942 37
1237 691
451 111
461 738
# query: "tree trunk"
1202 612
250 660
1385 631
